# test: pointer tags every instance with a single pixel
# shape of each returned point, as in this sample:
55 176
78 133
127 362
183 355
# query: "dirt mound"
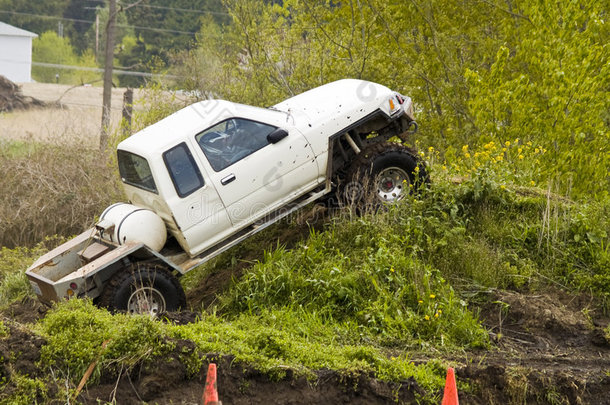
550 348
538 323
11 97
166 382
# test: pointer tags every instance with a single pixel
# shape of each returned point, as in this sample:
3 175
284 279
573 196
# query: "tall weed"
52 190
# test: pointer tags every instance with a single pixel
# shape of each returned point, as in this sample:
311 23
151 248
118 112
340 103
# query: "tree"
477 70
50 48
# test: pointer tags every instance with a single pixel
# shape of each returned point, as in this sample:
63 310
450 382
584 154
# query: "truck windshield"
135 171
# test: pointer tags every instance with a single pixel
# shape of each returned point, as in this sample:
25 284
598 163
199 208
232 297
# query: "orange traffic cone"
451 395
210 392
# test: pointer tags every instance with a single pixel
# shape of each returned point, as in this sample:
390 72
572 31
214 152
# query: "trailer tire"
383 173
143 289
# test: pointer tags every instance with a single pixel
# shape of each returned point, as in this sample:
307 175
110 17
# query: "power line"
89 69
91 22
44 16
100 70
184 10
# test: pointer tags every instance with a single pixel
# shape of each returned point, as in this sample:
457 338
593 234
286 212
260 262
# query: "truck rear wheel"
143 289
383 173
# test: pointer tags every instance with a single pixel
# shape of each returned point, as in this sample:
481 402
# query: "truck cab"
215 167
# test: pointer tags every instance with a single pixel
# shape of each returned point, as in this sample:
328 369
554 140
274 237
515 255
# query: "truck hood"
346 101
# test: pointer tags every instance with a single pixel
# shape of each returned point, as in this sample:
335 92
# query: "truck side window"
182 169
232 140
135 171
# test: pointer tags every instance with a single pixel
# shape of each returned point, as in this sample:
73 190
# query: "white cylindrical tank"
134 224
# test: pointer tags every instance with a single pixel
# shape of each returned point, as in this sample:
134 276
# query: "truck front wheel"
383 173
143 289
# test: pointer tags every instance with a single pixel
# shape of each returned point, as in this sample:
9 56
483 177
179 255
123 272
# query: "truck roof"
337 103
183 123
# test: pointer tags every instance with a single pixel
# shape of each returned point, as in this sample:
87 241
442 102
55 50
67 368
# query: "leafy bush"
487 76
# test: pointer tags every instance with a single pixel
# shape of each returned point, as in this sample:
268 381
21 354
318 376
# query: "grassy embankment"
361 294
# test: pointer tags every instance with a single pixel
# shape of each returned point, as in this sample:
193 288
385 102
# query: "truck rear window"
183 170
135 171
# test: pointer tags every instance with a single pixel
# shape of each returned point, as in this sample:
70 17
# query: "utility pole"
107 98
97 36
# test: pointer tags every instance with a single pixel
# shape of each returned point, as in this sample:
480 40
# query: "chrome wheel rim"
146 301
392 184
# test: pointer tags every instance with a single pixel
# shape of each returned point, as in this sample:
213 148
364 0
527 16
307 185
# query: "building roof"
9 30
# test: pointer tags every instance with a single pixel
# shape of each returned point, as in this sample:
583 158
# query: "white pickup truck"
214 173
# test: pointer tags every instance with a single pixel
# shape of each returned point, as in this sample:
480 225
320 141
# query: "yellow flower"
467 155
465 148
436 315
420 302
516 140
392 269
431 149
444 167
507 143
440 311
499 158
416 170
432 296
536 150
427 318
503 187
519 150
529 143
521 157
504 149
533 183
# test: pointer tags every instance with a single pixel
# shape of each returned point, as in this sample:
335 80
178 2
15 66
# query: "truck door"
196 206
257 166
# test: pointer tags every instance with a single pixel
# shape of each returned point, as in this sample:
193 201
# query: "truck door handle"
227 179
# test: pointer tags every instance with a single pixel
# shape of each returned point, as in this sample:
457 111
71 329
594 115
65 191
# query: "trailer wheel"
143 289
383 174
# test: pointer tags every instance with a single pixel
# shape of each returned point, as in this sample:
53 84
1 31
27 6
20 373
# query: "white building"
16 53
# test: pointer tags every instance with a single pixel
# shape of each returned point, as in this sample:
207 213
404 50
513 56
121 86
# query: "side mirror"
277 135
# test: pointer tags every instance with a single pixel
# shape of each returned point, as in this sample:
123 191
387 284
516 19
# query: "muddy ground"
548 349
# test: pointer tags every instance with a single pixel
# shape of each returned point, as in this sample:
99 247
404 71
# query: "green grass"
12 149
270 342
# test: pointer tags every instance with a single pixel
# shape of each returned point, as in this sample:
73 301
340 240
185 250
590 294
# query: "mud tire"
364 185
160 290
